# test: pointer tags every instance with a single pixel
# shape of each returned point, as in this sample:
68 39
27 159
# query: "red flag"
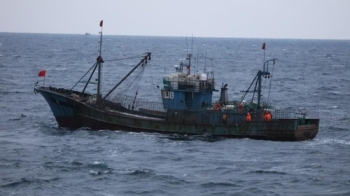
42 73
101 23
263 46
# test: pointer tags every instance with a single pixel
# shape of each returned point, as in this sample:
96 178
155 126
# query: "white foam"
331 141
338 65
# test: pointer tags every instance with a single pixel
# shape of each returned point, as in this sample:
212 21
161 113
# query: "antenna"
205 62
212 66
192 45
189 56
187 45
263 47
197 61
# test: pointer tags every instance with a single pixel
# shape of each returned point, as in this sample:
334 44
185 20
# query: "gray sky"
306 19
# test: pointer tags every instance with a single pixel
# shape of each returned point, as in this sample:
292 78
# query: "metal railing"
293 113
131 103
135 104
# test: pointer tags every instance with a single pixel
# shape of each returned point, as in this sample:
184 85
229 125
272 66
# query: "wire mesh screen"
136 104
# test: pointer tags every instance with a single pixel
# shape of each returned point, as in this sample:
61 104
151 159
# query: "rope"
84 75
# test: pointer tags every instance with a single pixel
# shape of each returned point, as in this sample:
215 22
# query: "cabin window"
171 95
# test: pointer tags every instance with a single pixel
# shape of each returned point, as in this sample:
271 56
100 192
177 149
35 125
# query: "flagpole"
41 74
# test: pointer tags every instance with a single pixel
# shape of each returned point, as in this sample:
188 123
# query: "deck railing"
292 113
277 113
135 104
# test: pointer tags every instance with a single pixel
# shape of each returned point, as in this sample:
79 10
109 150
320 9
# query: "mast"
264 73
99 64
259 87
189 56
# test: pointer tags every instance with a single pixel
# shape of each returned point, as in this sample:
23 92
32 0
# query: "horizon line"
224 37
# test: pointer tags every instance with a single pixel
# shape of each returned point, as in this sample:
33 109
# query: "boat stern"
308 131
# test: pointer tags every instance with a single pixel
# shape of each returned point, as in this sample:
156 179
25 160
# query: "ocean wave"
7 81
337 141
346 119
61 68
96 172
337 128
218 184
99 165
268 172
24 181
338 66
17 92
330 142
185 137
326 88
169 179
140 172
20 117
95 168
50 127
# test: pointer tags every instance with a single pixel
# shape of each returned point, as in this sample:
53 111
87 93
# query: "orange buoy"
248 117
267 116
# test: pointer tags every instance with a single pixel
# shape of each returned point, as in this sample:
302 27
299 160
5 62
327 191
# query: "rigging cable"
155 88
84 75
131 84
289 97
133 57
264 85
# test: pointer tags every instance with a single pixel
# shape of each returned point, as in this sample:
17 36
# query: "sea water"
38 158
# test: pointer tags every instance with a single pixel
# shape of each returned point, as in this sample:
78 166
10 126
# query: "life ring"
217 106
240 108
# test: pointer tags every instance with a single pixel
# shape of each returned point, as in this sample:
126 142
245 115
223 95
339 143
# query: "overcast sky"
305 19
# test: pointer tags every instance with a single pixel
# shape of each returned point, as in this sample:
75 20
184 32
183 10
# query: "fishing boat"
186 107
